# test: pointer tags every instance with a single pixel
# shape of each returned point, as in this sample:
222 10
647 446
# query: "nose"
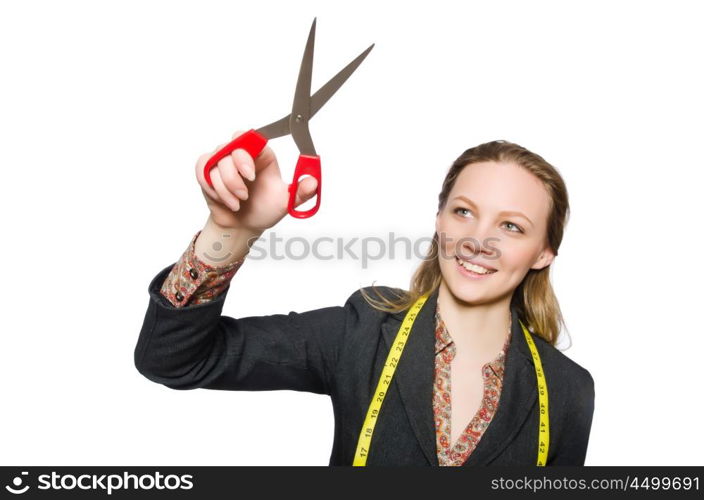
478 243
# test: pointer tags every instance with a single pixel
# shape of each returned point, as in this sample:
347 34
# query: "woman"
464 392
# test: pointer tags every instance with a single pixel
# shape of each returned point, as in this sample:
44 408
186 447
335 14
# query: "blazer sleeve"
197 347
572 446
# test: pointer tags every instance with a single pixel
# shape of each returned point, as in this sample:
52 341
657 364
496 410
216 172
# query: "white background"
105 107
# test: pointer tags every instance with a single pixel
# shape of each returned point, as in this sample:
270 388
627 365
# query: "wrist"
220 246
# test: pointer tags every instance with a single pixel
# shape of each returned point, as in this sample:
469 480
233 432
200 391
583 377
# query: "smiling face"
480 222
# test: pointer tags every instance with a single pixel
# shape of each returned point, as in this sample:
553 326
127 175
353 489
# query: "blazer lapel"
415 374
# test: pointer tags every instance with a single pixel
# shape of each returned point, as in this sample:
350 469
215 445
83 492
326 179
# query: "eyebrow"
505 212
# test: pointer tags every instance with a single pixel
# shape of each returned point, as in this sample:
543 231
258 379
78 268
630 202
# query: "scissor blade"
279 128
300 113
326 91
282 127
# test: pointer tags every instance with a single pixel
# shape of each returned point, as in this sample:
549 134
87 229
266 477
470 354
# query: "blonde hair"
534 297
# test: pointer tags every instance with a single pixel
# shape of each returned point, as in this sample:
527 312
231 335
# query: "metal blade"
305 107
279 128
300 113
326 91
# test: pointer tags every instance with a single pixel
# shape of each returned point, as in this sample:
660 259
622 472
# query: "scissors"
296 124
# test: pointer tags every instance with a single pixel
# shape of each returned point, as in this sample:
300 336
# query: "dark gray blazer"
340 351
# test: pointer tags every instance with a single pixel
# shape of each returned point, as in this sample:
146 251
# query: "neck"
483 328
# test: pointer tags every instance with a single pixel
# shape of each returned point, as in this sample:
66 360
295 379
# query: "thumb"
306 190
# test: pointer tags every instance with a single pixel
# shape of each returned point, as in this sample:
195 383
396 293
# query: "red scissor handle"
307 165
253 142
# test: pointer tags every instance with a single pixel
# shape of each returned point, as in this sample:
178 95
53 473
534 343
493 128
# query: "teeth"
473 267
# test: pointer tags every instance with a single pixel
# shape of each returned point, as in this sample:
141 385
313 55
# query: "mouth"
472 269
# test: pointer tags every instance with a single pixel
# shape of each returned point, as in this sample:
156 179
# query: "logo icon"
17 482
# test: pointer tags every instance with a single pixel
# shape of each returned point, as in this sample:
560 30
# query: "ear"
545 259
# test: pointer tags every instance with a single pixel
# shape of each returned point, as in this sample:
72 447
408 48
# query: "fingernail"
249 171
241 194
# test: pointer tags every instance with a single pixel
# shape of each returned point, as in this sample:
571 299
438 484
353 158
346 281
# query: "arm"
572 447
185 347
197 347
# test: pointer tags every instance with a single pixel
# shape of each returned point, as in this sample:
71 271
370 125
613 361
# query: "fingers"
231 178
225 195
228 187
200 175
243 160
244 163
307 187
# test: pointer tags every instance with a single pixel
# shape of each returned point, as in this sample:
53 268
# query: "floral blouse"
192 281
492 374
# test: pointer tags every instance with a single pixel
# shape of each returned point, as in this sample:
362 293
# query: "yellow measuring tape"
392 360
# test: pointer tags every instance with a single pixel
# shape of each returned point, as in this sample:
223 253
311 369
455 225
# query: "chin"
469 295
466 291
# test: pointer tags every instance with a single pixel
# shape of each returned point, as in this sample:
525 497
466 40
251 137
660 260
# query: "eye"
518 228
